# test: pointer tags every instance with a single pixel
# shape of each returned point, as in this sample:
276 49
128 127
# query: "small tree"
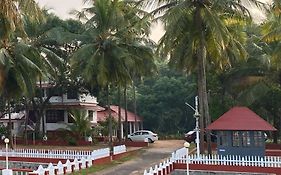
81 126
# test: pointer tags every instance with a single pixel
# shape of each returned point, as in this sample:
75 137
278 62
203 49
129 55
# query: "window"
258 138
54 92
70 119
39 93
71 94
235 138
246 141
54 116
223 141
145 133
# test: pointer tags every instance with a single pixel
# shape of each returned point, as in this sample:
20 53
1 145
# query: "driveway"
154 154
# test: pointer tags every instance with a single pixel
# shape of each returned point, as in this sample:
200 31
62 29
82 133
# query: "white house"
56 112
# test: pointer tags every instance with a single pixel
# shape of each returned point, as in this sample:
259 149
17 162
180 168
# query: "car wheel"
150 140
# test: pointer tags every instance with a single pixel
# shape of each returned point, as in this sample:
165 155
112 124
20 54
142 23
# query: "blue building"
240 131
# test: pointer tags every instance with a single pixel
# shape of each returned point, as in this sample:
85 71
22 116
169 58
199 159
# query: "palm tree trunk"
202 85
135 106
10 125
110 120
26 121
201 109
126 114
42 113
119 115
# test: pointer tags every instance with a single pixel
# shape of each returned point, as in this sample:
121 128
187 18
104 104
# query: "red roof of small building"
102 114
240 119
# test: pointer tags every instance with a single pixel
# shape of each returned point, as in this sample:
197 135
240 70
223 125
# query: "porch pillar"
122 131
130 124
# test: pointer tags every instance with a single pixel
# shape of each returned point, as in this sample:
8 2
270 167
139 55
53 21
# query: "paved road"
154 154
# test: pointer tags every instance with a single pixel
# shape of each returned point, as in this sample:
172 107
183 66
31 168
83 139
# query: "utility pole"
196 115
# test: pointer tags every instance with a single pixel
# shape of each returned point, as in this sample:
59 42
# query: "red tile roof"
240 118
102 114
131 116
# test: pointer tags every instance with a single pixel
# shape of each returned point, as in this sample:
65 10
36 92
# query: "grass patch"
97 168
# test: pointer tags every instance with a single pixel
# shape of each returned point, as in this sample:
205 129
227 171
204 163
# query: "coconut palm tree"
112 38
11 21
102 54
21 58
199 30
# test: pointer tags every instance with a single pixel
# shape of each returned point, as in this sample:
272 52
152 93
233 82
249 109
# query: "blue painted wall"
249 143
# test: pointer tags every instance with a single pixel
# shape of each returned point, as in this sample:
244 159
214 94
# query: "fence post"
83 163
50 169
40 170
155 171
60 168
68 166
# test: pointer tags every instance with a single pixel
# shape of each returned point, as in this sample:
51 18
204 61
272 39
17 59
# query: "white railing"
100 153
45 153
62 154
77 164
119 149
232 160
179 156
60 168
165 167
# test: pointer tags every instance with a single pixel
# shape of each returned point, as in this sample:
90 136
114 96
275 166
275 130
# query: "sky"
62 8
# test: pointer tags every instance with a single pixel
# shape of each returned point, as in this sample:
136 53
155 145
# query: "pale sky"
63 7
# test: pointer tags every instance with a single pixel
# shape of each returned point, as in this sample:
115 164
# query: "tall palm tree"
197 30
21 59
21 65
12 26
107 47
102 54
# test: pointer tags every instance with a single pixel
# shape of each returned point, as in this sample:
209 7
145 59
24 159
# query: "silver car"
143 136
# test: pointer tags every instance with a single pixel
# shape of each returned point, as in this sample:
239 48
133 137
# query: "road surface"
154 154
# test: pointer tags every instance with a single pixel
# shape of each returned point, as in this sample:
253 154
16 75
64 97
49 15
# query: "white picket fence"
232 160
76 165
46 153
165 167
62 154
60 168
179 156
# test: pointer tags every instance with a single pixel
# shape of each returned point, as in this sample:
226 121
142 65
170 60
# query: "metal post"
197 130
7 142
197 115
6 171
186 145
